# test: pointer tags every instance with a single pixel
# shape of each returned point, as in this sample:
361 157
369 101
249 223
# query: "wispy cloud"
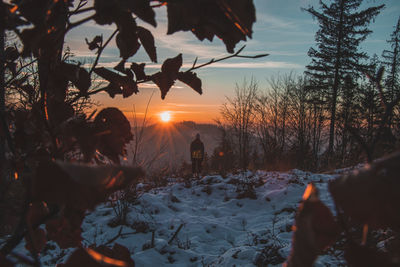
274 22
186 43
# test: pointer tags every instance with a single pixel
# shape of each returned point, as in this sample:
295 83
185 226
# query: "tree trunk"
3 172
335 87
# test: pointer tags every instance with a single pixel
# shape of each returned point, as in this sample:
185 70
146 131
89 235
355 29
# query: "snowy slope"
218 228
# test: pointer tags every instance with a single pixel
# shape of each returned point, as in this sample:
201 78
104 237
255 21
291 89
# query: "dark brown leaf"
371 195
138 69
121 66
77 75
169 73
144 11
147 40
118 83
163 81
128 45
171 66
191 79
112 89
107 74
114 130
79 186
107 11
127 38
231 20
95 43
315 229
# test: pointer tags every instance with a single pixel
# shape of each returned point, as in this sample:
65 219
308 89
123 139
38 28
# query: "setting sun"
165 116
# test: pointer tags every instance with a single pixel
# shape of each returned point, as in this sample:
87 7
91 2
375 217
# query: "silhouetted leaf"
127 44
121 66
77 75
118 83
138 69
95 43
112 89
79 186
144 11
229 20
147 40
371 195
315 229
163 81
171 66
106 11
114 131
169 73
191 79
127 38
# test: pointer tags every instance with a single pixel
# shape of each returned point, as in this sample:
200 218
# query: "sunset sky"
282 29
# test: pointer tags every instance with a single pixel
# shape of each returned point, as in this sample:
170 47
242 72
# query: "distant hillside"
169 144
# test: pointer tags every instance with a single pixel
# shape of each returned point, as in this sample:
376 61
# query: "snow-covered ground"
218 228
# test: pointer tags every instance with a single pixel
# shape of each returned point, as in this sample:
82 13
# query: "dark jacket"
197 150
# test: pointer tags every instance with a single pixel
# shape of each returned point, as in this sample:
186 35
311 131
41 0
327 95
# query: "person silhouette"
196 155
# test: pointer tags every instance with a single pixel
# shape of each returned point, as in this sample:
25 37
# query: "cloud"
256 65
275 22
191 105
186 43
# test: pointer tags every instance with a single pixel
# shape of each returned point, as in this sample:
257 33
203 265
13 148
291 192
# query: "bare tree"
238 113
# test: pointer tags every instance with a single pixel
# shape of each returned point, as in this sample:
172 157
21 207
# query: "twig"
115 237
101 48
237 54
175 234
152 239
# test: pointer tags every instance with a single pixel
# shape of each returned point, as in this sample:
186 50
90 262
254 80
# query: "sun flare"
165 116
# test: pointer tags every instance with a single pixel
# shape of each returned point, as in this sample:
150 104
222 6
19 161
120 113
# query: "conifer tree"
342 28
392 63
